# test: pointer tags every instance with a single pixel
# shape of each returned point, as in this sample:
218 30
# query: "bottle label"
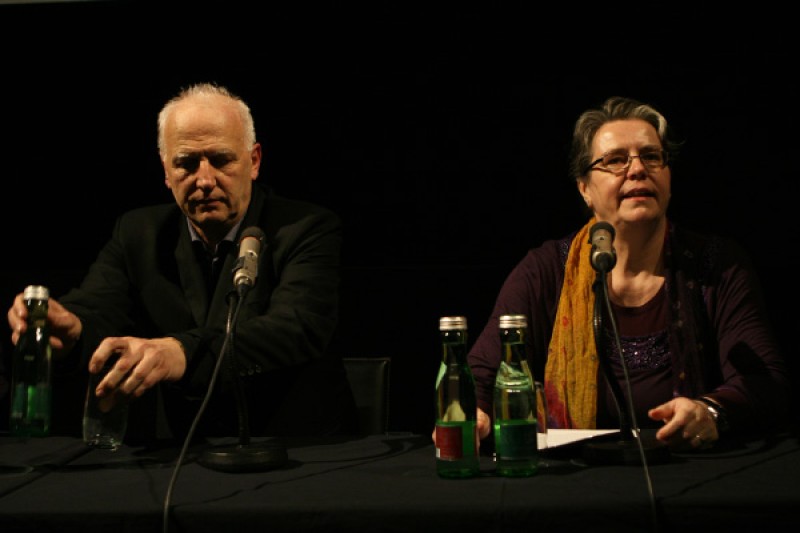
449 444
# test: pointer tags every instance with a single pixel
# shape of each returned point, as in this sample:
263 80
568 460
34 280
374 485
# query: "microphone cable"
634 424
168 497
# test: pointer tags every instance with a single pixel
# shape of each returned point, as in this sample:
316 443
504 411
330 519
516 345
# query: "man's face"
207 164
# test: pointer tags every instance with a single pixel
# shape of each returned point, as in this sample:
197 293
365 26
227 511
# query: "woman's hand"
687 424
484 425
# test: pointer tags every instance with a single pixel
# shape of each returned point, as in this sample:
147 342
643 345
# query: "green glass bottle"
456 404
31 370
514 417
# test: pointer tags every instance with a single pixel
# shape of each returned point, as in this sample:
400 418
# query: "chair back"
369 380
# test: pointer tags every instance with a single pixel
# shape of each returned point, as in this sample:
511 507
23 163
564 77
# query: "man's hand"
141 365
65 327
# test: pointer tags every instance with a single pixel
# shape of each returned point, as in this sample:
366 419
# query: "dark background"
438 131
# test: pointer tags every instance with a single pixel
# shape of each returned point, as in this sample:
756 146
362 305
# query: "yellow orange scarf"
571 369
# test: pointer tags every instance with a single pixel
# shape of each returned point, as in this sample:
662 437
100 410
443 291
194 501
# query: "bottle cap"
447 323
513 321
36 292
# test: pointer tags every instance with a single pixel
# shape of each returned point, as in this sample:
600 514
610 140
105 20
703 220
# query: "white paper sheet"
560 437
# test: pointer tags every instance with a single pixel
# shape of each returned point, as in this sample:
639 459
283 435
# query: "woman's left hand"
687 424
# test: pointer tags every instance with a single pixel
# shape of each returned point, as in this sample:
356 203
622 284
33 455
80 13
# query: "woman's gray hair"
206 89
614 108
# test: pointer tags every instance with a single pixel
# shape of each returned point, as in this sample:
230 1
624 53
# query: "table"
388 483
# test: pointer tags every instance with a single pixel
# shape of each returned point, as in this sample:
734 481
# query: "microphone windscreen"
253 231
602 225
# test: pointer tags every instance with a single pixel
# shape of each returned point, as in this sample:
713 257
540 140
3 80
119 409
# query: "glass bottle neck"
37 312
454 346
513 341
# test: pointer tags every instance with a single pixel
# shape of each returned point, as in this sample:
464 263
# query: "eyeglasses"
620 161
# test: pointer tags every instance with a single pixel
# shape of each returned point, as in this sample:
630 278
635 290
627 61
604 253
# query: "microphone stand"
631 448
245 456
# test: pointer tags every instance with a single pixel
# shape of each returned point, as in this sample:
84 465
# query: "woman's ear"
582 189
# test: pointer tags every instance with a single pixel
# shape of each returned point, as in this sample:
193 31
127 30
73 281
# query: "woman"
695 337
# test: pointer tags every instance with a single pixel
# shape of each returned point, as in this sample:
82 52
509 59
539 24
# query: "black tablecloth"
389 483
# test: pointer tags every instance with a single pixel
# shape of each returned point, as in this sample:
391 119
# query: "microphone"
631 447
245 456
245 271
601 237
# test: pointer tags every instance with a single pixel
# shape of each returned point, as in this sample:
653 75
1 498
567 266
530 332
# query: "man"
158 293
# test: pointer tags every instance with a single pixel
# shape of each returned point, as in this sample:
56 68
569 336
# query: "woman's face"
636 194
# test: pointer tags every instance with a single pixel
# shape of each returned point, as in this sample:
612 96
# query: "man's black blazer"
147 281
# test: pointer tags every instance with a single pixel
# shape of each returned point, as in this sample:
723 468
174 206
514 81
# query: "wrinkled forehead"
204 121
624 134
